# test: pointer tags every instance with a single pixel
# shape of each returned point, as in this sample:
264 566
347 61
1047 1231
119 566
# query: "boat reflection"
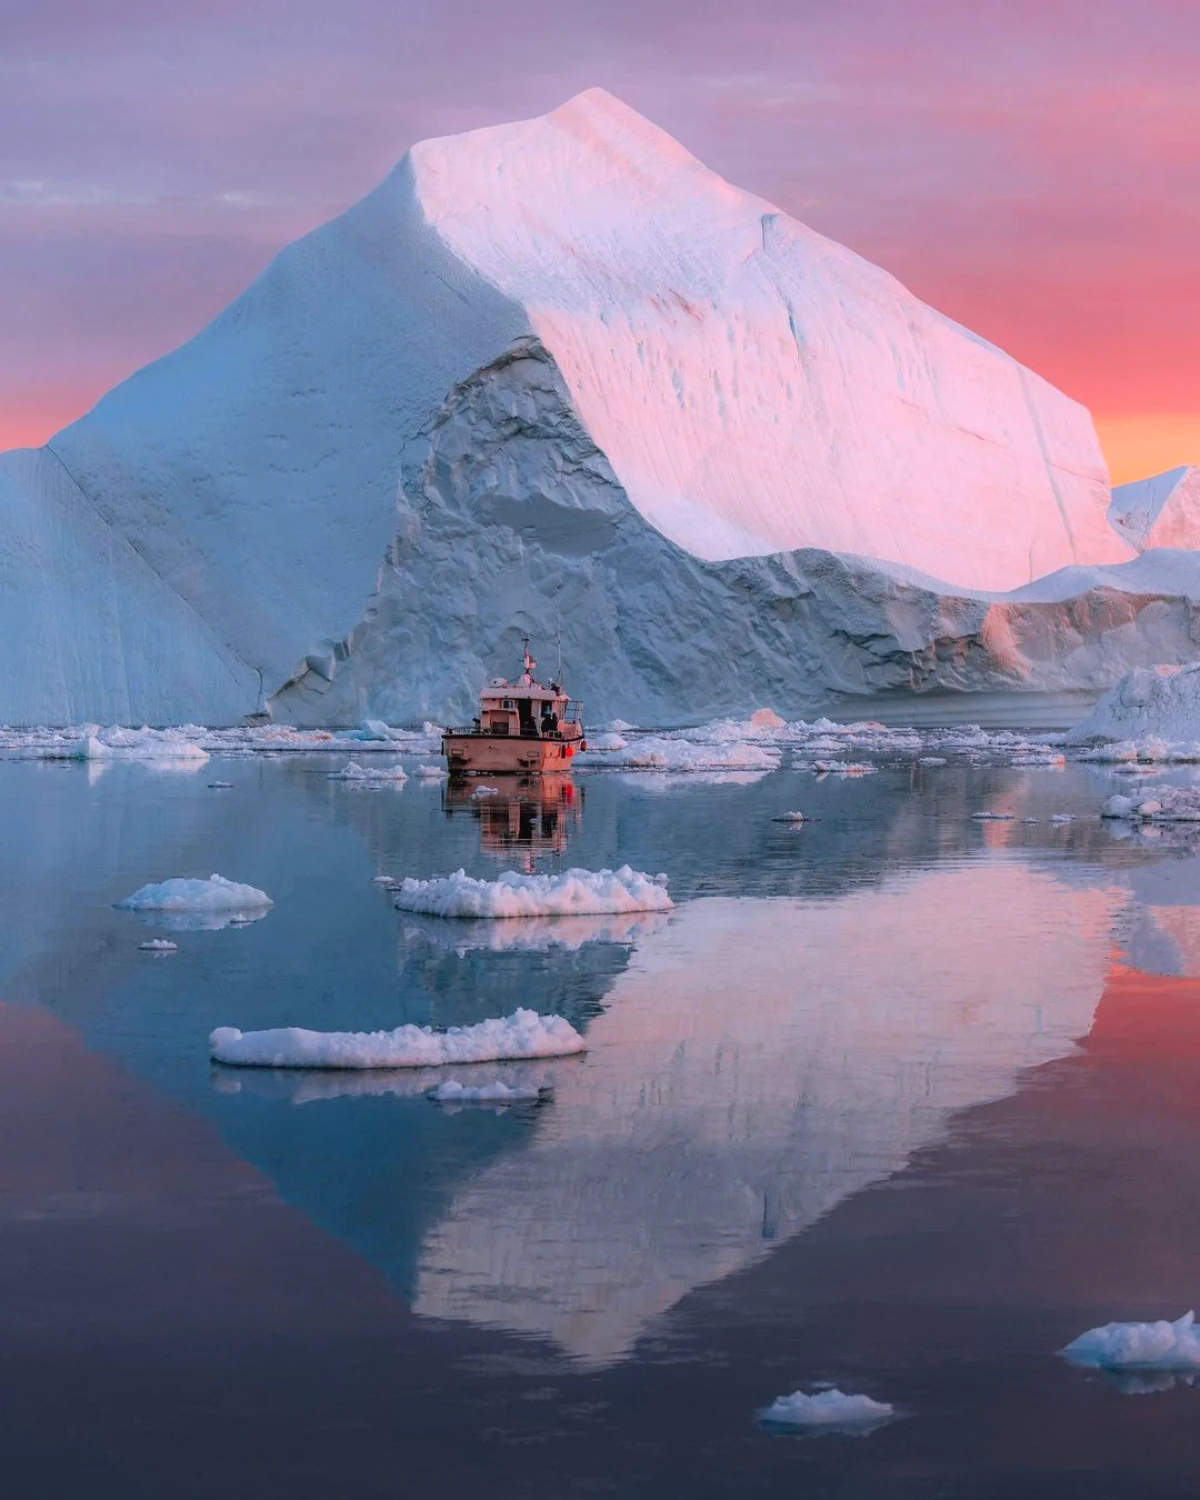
527 816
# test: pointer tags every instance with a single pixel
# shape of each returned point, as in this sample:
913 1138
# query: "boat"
523 728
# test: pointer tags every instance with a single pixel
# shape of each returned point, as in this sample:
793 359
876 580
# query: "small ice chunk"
1062 817
524 1034
1117 806
159 945
497 1092
766 718
1138 1346
220 786
352 771
431 773
574 893
619 726
993 817
214 894
830 1410
485 791
932 760
842 768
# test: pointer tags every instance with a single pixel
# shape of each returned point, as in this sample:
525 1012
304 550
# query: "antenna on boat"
528 663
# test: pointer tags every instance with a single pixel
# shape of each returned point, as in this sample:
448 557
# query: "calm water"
900 1101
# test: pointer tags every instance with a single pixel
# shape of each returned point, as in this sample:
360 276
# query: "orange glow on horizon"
1138 444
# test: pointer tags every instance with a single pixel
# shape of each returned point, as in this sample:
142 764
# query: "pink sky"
1031 169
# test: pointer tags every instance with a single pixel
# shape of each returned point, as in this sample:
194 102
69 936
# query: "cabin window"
508 703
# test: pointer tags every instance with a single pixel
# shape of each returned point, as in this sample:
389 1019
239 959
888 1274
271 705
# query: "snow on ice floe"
452 1091
431 773
1155 804
1139 1346
150 745
352 771
574 893
829 1411
663 753
159 945
524 1034
216 894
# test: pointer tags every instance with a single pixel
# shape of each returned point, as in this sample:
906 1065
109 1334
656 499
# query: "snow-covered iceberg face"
559 371
1162 511
756 387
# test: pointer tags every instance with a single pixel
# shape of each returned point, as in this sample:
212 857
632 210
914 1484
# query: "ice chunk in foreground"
523 1034
497 1092
214 894
830 1410
574 893
352 771
1139 1346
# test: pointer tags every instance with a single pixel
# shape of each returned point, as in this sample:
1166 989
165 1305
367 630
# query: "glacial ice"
574 893
1152 713
1162 511
159 945
216 894
524 1034
830 1410
352 771
657 753
559 372
1139 1346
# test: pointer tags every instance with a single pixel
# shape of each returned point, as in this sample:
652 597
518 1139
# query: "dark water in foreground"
901 1101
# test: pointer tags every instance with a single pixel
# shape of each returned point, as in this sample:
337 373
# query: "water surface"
901 1101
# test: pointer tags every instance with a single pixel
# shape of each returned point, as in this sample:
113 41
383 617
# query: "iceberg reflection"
758 1062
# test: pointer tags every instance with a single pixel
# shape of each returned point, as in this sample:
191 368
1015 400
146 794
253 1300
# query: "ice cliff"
1163 511
558 376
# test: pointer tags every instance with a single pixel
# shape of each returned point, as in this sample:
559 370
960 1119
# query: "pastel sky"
1031 167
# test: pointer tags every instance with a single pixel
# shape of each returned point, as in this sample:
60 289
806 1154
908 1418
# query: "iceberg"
524 1034
574 893
1152 713
1139 1346
827 1410
560 373
216 894
352 771
1163 511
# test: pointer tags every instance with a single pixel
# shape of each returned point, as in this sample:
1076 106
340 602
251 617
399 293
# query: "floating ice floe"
497 1092
836 767
191 904
431 773
666 753
574 893
1157 804
993 817
933 760
159 945
604 741
183 895
352 771
174 745
524 1034
828 1410
485 791
220 786
1138 1346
